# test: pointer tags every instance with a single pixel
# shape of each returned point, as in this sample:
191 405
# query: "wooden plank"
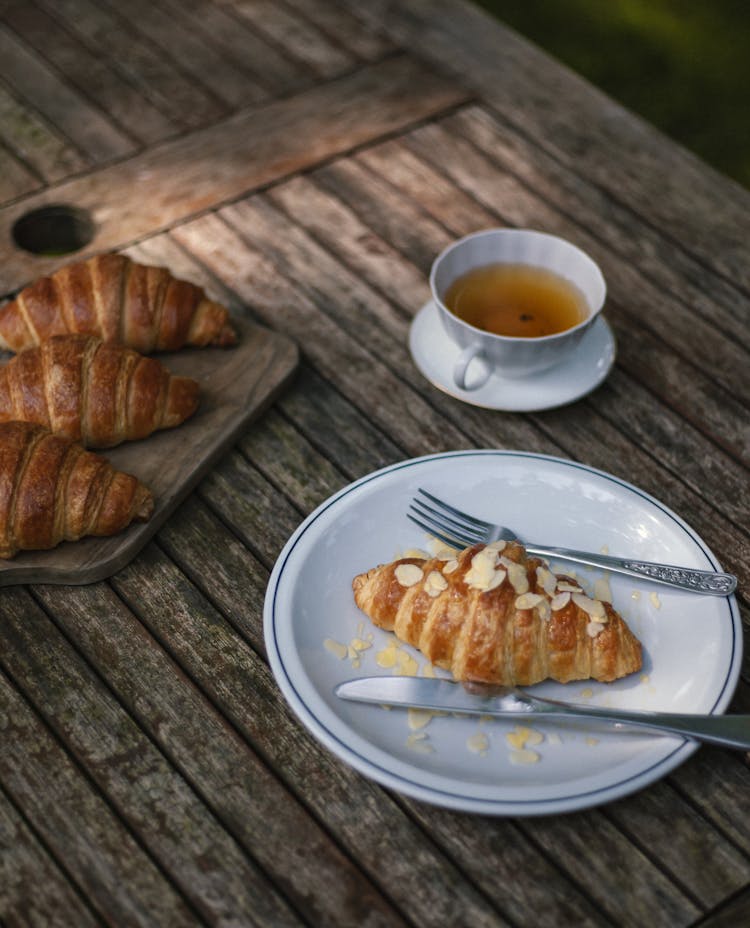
596 854
361 311
329 421
561 111
363 41
33 889
89 72
15 179
86 126
37 143
140 62
368 254
717 783
696 856
339 356
429 189
158 805
301 40
205 65
116 876
236 39
526 884
252 148
234 792
735 912
364 820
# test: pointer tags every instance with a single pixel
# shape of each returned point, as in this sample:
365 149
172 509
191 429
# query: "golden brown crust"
508 634
90 391
52 490
117 300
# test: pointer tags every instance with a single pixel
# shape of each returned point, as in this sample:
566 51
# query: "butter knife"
730 731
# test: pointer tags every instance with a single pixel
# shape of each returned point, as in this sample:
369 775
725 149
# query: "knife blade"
442 695
432 693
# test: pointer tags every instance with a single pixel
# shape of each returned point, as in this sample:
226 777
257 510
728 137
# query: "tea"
516 300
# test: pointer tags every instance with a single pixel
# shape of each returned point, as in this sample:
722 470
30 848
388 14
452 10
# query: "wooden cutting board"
237 384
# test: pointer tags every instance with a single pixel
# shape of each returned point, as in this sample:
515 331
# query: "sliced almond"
450 566
416 552
546 580
435 583
518 578
593 629
529 600
563 587
440 549
593 607
498 545
408 574
497 578
482 569
560 601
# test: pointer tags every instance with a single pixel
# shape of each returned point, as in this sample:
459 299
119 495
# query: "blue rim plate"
317 638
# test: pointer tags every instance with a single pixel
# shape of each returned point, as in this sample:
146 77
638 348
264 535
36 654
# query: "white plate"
435 354
692 644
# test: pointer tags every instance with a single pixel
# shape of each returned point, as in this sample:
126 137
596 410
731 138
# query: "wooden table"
305 161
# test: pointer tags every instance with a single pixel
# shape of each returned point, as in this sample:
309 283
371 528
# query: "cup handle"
461 367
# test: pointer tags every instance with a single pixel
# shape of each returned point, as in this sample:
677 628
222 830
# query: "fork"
454 527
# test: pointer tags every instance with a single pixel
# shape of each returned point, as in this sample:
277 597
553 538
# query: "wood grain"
157 803
87 128
236 385
89 72
140 62
100 856
244 821
252 148
33 889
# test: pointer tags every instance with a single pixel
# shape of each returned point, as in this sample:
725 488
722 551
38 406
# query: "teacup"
513 356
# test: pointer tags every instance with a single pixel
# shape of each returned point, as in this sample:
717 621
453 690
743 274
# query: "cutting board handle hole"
54 230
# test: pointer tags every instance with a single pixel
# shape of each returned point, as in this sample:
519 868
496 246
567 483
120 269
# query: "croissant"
117 300
96 393
52 490
492 614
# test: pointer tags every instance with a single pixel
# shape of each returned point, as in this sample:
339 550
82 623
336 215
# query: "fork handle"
711 583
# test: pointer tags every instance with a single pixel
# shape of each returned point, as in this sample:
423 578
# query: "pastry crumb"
478 743
336 648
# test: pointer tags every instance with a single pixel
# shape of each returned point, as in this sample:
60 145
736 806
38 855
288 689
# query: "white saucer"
434 354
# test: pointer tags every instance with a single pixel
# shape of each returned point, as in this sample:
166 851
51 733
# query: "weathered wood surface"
305 161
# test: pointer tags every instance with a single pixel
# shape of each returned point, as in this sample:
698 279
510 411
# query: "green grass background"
684 65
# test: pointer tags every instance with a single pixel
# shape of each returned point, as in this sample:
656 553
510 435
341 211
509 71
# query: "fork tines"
450 525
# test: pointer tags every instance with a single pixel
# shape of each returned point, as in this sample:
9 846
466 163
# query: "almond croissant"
117 300
99 394
52 490
491 614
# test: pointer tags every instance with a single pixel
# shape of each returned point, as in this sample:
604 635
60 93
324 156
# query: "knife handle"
727 731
